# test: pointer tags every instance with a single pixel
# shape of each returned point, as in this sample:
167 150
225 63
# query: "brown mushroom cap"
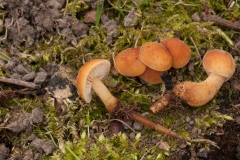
179 51
95 68
151 76
219 62
155 56
128 63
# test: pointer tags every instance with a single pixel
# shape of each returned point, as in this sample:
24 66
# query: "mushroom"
219 66
155 56
128 63
179 51
151 76
89 78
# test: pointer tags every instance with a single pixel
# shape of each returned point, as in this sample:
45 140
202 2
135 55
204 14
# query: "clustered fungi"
219 66
148 62
89 78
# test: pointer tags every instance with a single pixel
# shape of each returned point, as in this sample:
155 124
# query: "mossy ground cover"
80 132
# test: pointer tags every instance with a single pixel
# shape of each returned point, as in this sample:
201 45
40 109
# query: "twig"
236 106
220 21
199 55
19 82
207 141
66 8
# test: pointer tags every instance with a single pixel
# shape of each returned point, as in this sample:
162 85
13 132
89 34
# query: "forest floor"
43 43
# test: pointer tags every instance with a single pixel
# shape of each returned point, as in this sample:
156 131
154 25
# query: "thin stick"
139 118
65 8
206 141
199 55
220 21
19 82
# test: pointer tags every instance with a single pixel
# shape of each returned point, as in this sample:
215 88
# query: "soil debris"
23 121
4 151
41 145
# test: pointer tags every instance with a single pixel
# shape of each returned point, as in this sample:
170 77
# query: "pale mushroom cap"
128 63
96 68
219 62
179 51
151 76
155 56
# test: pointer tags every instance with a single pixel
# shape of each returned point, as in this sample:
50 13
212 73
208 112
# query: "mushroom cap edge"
95 68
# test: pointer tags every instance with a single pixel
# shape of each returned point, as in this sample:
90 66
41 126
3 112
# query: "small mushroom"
219 66
179 51
128 63
155 56
90 76
151 76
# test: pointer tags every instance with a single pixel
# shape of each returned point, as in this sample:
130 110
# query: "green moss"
117 147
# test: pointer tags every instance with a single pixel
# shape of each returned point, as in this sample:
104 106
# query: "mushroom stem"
198 94
105 95
194 94
139 118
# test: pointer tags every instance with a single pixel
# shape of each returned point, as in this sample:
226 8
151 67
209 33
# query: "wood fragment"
19 82
220 21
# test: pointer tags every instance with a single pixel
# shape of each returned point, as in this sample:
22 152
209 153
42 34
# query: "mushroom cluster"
89 80
150 60
219 66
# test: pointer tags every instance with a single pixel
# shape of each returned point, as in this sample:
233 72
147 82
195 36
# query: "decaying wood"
220 21
19 82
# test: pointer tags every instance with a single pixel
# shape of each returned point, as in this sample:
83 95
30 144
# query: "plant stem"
139 118
98 13
74 155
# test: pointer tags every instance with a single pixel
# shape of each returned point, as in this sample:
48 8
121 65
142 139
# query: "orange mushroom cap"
155 56
128 63
179 51
219 62
95 68
151 76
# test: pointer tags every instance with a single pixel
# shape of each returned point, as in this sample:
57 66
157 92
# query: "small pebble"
40 78
129 123
20 69
37 115
12 63
132 136
137 126
115 127
188 119
202 153
192 122
29 76
196 17
90 17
